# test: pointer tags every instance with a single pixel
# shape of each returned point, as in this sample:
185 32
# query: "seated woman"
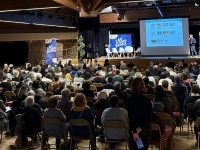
82 111
161 97
21 95
55 83
86 89
54 112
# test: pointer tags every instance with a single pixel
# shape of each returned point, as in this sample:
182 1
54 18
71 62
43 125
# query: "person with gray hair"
30 100
31 118
123 95
65 102
180 91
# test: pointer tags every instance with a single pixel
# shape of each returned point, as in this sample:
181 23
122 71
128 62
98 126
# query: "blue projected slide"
164 32
120 42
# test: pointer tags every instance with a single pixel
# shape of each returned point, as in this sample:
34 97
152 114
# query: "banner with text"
51 51
120 42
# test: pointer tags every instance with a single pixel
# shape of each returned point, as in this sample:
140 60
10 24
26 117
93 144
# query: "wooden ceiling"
72 9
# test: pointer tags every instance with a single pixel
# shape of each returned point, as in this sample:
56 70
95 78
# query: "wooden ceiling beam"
82 4
95 3
69 3
123 1
8 5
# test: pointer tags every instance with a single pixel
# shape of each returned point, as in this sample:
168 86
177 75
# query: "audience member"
155 71
99 79
123 95
150 90
114 113
109 84
80 110
180 91
170 64
194 95
139 110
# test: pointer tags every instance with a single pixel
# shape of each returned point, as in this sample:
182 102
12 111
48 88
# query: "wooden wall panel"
134 15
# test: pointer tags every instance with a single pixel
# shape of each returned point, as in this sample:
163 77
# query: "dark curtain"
89 29
15 53
103 39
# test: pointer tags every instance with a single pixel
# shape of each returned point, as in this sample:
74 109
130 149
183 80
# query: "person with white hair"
31 117
5 66
138 75
31 93
155 71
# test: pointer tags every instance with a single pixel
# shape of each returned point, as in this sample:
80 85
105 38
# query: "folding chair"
90 102
77 91
150 96
190 107
97 114
43 104
80 123
48 95
166 118
116 124
46 121
177 113
99 86
70 87
198 123
72 94
93 88
9 94
155 127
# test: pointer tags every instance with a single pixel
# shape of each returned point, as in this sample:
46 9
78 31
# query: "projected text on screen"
164 32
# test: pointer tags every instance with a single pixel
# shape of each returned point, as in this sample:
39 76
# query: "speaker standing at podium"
192 45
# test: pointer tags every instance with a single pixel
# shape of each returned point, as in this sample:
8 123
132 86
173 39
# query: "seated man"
115 113
99 79
109 84
121 94
196 110
180 91
194 95
170 94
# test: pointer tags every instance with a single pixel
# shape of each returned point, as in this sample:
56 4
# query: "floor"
181 142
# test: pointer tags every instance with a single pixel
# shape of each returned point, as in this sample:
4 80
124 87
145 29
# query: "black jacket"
139 110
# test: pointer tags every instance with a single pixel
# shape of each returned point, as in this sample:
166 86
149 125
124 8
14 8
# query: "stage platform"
143 61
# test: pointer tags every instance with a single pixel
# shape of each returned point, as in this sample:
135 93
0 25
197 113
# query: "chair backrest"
172 98
72 94
166 118
80 123
115 124
49 94
89 99
44 104
93 88
70 87
155 127
107 50
77 91
198 122
98 113
98 85
175 103
9 93
150 96
48 122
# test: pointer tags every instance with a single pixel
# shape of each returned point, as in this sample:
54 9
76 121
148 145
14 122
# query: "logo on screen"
120 42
